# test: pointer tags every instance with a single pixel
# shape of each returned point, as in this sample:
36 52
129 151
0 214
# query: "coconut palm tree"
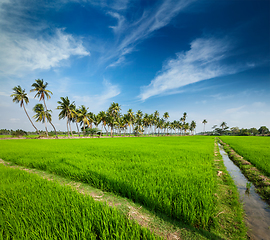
74 116
66 110
223 125
103 119
204 122
186 127
192 127
113 111
41 115
146 121
130 116
19 96
82 117
40 87
156 119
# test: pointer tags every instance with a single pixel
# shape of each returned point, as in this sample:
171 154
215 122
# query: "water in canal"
257 211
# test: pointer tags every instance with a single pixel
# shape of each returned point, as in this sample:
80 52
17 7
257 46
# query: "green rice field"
34 208
254 149
174 176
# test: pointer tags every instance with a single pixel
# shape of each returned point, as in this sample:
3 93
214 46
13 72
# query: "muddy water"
257 211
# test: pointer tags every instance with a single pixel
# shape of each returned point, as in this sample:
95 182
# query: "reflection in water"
257 211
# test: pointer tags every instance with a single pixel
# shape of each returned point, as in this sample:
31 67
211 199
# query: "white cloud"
99 101
21 53
201 62
141 28
259 104
4 94
233 110
120 22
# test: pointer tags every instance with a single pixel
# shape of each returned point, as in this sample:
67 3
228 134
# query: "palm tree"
74 115
223 125
130 116
40 87
186 127
192 126
103 119
156 119
166 116
82 117
113 111
41 115
184 116
146 122
66 110
19 96
91 118
139 124
204 122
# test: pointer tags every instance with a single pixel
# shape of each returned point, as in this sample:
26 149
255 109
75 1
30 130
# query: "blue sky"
208 58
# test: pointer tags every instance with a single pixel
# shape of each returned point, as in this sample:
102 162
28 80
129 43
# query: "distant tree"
41 115
103 119
253 131
82 117
223 125
131 117
186 127
19 96
113 112
235 131
192 126
204 122
18 133
40 87
156 120
66 108
244 132
263 130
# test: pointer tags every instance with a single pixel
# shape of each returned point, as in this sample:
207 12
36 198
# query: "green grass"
173 175
34 208
254 149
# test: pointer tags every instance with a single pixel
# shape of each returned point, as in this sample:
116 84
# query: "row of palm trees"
112 119
42 113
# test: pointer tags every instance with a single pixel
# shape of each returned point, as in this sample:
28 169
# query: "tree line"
223 129
111 120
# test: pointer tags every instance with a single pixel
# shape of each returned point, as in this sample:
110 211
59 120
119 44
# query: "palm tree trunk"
30 119
78 128
70 129
70 125
46 126
49 119
67 125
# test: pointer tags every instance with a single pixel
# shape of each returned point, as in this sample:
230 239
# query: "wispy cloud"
120 27
28 43
233 110
20 53
142 27
99 101
203 61
259 104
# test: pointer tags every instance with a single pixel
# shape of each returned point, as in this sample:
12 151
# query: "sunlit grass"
33 208
171 175
254 149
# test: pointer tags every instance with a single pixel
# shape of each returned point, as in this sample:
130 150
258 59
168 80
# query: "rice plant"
254 149
33 208
172 175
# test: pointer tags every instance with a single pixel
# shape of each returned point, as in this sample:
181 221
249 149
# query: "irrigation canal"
256 210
